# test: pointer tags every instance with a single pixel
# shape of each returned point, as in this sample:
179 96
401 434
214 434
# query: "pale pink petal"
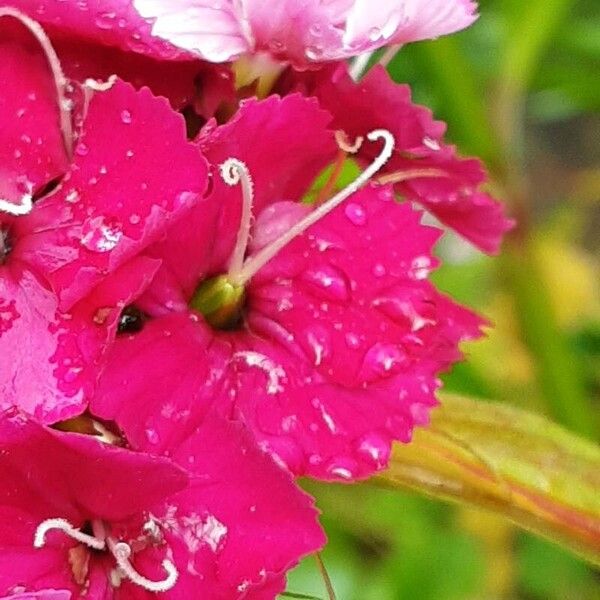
213 31
403 21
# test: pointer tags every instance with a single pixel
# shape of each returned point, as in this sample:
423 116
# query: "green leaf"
517 464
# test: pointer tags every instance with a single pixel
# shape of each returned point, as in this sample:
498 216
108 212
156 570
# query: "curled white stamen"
122 551
341 137
39 539
256 262
60 81
234 171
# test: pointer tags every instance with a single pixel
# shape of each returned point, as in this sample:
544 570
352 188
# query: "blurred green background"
521 89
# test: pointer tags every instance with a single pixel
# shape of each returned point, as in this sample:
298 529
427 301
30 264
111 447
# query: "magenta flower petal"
285 143
252 519
48 474
450 187
237 522
106 22
181 352
133 173
32 148
334 328
41 595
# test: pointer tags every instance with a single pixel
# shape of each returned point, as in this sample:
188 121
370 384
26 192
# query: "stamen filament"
333 177
60 81
122 551
256 262
234 171
400 176
39 539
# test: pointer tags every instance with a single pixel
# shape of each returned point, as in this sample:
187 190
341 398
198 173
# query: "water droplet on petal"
431 143
379 270
327 282
318 342
382 360
375 448
72 196
352 341
421 267
152 436
355 213
82 149
105 20
314 52
126 116
100 235
316 29
342 468
374 34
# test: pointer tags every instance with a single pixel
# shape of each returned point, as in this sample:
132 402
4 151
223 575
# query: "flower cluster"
193 310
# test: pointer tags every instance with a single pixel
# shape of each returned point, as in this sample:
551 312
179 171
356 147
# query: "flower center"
221 299
121 551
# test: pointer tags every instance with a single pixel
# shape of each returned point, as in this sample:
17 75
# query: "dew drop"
355 213
375 448
382 360
100 235
82 149
352 341
327 282
379 270
342 468
105 20
72 197
431 143
374 34
314 52
421 267
152 436
126 117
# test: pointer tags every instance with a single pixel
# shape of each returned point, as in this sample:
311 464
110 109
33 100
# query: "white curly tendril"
234 170
120 550
64 104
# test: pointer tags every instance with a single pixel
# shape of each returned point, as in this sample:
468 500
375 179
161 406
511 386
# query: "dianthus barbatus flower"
70 261
101 521
304 32
423 167
98 39
329 350
41 595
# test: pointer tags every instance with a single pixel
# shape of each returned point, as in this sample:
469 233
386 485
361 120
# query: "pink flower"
341 337
69 266
128 524
41 595
423 168
99 39
300 32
